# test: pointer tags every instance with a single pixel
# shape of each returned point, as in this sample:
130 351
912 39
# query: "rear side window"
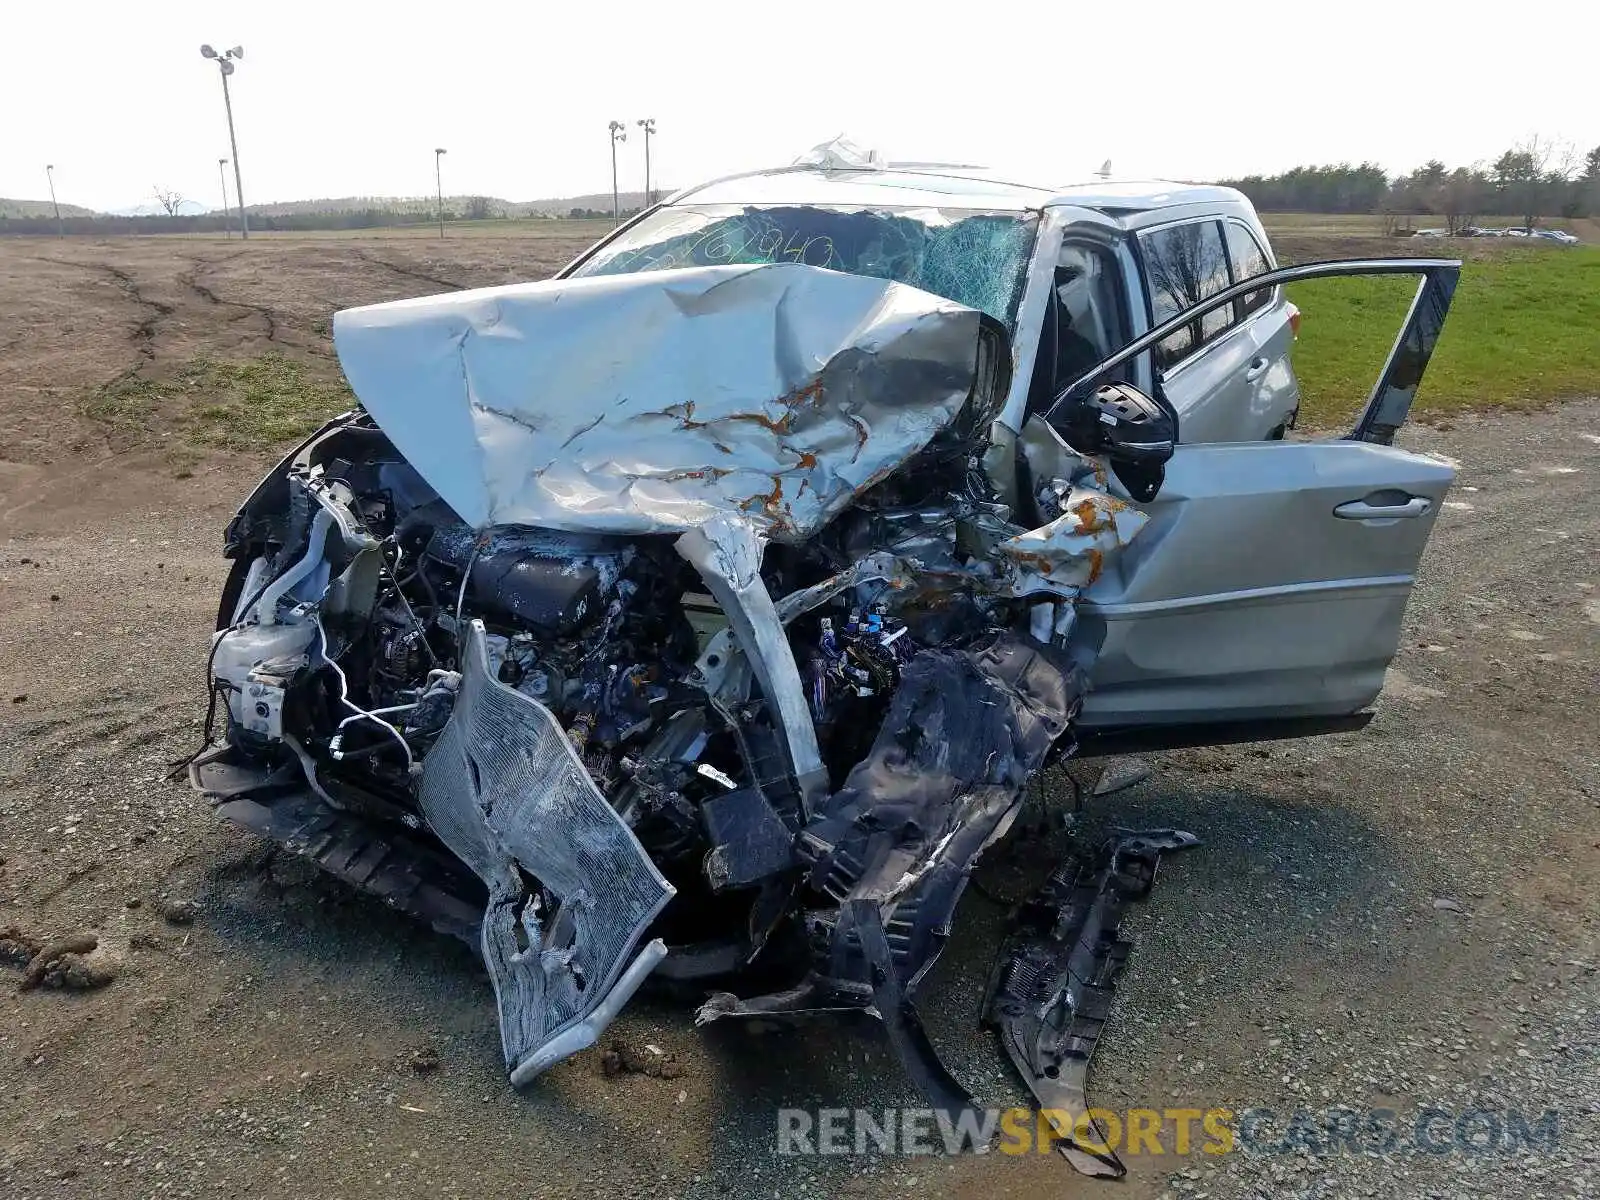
1184 264
1249 260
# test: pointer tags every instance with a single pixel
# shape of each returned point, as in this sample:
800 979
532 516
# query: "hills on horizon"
422 206
490 206
42 208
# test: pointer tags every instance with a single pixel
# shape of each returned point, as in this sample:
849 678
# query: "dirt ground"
77 316
1401 918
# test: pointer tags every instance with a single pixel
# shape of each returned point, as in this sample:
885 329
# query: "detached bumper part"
571 891
1053 989
894 847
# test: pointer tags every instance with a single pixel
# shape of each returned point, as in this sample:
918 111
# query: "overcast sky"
349 97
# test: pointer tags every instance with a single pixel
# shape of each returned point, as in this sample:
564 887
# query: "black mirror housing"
1128 428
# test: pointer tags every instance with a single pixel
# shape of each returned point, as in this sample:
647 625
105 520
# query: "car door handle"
1256 369
1360 510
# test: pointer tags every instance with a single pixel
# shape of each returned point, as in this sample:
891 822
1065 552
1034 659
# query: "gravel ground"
1400 919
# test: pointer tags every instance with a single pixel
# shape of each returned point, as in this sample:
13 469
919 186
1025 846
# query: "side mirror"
1120 423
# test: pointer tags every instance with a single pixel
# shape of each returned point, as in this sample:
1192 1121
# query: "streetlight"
619 133
438 184
648 124
223 179
225 65
50 174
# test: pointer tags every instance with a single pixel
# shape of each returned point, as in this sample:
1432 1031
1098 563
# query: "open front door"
1272 580
1270 583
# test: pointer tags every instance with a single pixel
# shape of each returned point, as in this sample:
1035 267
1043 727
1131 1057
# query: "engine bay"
341 642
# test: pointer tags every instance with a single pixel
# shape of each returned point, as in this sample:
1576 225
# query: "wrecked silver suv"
699 620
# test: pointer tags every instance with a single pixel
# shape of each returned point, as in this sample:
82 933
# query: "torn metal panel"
1053 463
1070 552
505 791
1053 987
648 403
726 550
888 568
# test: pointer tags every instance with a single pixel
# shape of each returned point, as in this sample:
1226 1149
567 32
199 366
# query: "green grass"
258 404
1372 224
1524 330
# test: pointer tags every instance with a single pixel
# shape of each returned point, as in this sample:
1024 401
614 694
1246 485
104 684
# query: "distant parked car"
1548 235
1431 233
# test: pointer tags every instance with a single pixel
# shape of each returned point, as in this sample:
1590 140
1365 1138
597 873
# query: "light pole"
438 185
222 178
648 124
225 65
50 174
619 133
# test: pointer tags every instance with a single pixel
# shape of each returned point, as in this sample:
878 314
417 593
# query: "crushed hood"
649 403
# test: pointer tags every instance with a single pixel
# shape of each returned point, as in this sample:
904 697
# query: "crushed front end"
666 625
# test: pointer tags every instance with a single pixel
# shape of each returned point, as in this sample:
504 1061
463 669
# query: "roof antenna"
1105 170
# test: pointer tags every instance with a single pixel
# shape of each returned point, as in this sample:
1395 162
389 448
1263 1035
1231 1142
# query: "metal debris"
1052 993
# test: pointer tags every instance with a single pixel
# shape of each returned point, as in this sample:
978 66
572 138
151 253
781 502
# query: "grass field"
1372 224
270 400
1524 330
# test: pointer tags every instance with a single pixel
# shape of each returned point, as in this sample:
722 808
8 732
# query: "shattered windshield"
975 258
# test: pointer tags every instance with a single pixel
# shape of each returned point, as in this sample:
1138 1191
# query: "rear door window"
1249 260
1183 265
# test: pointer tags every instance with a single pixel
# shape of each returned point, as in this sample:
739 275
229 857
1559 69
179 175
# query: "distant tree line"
1535 179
